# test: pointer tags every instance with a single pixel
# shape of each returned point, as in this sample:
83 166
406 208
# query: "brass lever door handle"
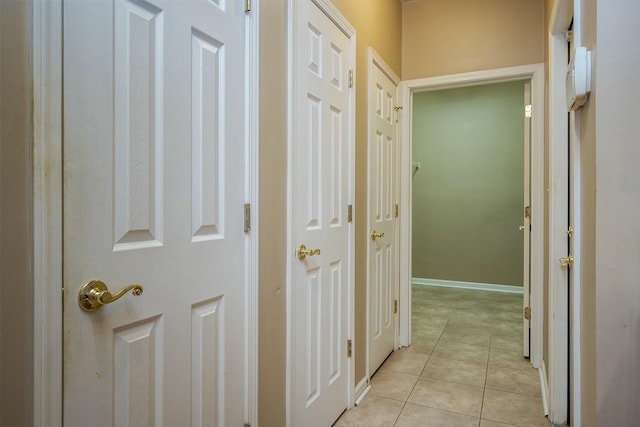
521 228
94 294
375 235
567 261
303 252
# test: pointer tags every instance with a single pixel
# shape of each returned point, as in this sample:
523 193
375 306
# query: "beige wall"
457 36
611 202
15 180
378 24
468 194
273 212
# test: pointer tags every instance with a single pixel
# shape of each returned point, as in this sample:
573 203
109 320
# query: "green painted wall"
468 193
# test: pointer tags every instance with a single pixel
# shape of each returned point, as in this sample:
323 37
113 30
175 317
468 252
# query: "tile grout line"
420 375
486 376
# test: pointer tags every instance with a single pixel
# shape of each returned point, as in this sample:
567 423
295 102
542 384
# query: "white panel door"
321 166
154 187
383 182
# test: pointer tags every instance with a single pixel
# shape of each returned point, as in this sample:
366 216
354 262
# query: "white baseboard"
467 285
362 389
544 387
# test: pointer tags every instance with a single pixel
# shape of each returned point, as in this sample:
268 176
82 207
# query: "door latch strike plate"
527 313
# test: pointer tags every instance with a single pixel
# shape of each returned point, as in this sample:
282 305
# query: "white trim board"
47 213
534 73
490 287
544 388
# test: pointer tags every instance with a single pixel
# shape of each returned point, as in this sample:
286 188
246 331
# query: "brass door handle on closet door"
375 235
94 294
303 252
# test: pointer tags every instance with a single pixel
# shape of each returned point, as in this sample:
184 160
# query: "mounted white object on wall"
578 80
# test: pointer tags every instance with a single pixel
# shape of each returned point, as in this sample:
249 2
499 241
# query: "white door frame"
562 14
334 14
374 59
47 213
535 73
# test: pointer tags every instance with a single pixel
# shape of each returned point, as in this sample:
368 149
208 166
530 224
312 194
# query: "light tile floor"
465 367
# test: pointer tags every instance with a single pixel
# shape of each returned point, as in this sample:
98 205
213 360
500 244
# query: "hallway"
465 367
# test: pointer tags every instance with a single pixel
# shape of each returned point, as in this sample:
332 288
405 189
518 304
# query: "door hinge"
397 113
350 213
397 210
395 307
527 313
570 231
567 262
349 348
350 78
527 111
247 217
568 36
247 6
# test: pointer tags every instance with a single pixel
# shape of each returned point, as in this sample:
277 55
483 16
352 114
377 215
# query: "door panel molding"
534 72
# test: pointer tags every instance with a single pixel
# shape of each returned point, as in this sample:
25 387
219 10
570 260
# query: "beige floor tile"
504 343
422 416
426 328
511 408
480 339
449 396
464 353
456 370
489 423
509 359
406 361
393 385
522 381
374 411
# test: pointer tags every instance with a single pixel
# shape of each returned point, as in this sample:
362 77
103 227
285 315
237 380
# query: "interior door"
526 227
321 229
382 217
153 195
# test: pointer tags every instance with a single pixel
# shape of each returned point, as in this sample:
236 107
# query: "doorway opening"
471 203
410 89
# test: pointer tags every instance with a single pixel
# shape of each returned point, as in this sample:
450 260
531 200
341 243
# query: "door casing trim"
47 213
534 72
47 51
